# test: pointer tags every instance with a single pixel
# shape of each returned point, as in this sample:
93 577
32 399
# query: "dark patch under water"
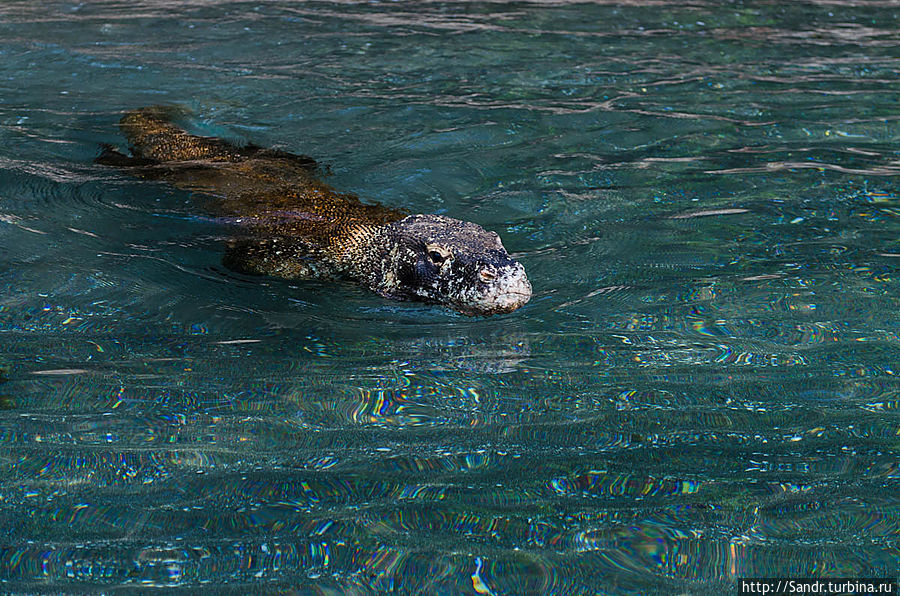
704 386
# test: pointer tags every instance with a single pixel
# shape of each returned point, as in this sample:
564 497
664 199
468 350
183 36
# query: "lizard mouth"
512 291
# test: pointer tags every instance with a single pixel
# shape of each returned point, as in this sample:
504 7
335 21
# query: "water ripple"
703 387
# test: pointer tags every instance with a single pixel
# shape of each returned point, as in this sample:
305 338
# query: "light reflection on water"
702 388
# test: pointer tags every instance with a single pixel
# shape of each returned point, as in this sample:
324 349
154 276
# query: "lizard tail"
152 135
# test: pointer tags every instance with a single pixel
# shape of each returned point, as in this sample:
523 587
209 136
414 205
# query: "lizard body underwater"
295 226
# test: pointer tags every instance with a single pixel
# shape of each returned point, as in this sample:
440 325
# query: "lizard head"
443 260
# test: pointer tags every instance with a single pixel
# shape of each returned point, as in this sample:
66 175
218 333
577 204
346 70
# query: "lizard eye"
437 254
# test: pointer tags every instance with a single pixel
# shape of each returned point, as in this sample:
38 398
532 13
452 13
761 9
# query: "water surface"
702 388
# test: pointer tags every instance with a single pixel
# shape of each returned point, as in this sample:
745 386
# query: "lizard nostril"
487 275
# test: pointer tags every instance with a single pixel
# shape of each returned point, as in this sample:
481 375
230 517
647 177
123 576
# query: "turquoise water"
703 387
